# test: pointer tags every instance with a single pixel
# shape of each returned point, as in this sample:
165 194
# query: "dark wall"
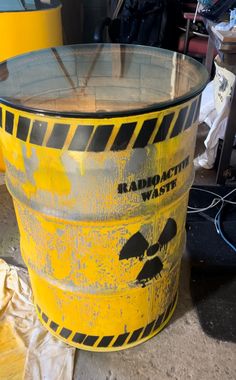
80 17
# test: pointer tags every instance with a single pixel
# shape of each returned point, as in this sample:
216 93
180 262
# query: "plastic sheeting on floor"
27 350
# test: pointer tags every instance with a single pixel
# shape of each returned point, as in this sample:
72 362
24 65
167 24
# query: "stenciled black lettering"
149 182
122 188
167 187
163 177
176 169
147 195
155 180
172 172
142 183
173 183
166 175
155 193
162 190
133 186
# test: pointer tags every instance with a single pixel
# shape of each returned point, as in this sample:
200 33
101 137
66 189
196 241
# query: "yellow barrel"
98 142
27 26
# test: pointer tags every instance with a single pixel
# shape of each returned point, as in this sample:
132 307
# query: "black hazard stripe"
38 132
102 137
108 340
197 110
191 115
23 128
123 136
145 133
81 138
9 120
180 121
58 136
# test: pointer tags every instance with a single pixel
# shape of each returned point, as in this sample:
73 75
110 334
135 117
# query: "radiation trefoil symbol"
138 247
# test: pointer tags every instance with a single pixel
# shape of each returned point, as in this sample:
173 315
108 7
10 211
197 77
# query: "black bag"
146 22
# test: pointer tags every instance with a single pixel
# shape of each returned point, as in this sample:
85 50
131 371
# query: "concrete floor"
181 351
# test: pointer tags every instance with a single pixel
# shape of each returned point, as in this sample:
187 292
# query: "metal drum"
27 26
98 142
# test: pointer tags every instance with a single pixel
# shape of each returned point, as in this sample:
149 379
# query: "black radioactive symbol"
138 247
